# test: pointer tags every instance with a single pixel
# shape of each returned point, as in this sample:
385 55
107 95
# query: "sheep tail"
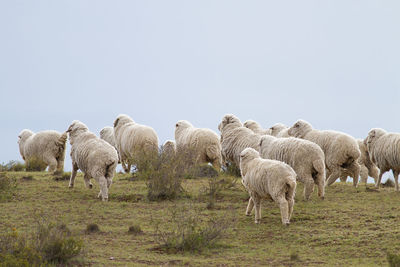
319 166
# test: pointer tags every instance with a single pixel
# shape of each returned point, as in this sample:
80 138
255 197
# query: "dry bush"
215 186
8 187
35 165
12 166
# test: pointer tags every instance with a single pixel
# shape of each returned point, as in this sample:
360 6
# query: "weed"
12 166
35 165
8 187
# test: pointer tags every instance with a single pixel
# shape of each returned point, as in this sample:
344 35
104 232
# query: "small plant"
393 259
8 187
92 228
214 188
35 165
12 166
189 233
135 229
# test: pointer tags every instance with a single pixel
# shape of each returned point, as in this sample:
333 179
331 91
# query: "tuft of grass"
61 176
50 244
393 259
205 170
135 229
92 228
294 257
12 166
35 165
388 183
189 233
8 187
27 178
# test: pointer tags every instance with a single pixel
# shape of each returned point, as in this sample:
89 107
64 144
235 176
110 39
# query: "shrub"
393 259
12 166
92 228
35 165
135 229
49 244
189 233
215 186
8 187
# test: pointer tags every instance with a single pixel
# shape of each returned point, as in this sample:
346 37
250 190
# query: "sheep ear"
261 140
116 122
69 129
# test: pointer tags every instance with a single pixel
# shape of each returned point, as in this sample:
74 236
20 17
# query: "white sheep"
279 130
203 144
384 151
306 158
341 150
134 141
367 167
107 134
169 148
93 156
235 138
46 146
267 179
255 127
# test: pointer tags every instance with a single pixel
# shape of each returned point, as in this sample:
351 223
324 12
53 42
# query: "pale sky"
333 63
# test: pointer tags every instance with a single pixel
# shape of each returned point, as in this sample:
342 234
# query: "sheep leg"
126 169
250 207
103 189
333 177
284 207
378 182
291 204
320 181
364 175
88 184
217 164
52 164
396 179
355 170
73 175
60 164
308 189
257 203
374 173
343 179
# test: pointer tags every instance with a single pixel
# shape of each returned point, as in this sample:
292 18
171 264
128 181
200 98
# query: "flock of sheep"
270 160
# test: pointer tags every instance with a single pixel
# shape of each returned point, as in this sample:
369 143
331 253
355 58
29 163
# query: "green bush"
50 244
393 259
189 233
8 187
35 165
12 166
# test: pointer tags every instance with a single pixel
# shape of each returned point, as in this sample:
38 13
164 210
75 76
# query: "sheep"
306 158
384 152
134 141
169 148
341 150
255 127
93 156
107 134
267 179
235 138
46 146
367 167
279 130
202 143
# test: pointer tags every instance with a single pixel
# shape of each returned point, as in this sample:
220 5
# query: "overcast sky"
333 63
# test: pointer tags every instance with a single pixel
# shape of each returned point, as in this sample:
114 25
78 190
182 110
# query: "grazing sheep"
367 167
305 157
341 150
107 134
46 146
267 179
279 130
202 143
255 127
169 148
384 151
93 156
235 138
134 141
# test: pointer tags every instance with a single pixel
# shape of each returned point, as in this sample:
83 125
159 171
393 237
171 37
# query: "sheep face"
274 130
228 119
300 129
122 120
374 135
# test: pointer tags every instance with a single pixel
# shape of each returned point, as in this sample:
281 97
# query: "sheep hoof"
105 199
248 213
70 186
257 221
286 223
322 198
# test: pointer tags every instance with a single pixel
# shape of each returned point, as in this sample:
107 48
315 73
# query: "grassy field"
350 227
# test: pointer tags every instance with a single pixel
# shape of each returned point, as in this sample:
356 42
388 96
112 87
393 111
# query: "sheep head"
24 134
183 124
252 125
275 129
373 135
300 129
121 120
248 154
266 140
227 120
76 128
